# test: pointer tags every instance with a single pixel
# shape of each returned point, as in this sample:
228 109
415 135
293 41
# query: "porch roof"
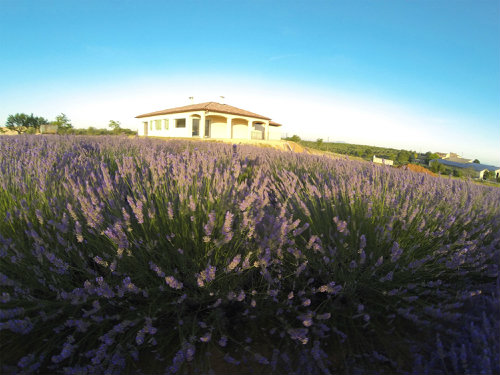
207 107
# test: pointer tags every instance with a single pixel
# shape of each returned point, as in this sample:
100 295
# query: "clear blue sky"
413 74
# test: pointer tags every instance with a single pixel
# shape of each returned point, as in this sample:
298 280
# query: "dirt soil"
417 168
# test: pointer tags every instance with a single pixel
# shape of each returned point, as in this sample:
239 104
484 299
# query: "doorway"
196 127
207 128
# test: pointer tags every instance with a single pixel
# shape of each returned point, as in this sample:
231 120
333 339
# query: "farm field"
122 255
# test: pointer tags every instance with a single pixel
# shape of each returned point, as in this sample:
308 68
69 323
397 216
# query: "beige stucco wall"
172 130
274 133
382 161
218 127
239 128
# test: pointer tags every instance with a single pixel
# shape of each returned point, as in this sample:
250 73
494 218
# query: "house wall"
382 161
240 128
274 133
172 130
218 127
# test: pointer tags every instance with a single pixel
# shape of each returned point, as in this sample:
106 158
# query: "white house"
208 120
451 156
382 161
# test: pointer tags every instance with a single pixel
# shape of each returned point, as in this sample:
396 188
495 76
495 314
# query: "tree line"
30 124
399 157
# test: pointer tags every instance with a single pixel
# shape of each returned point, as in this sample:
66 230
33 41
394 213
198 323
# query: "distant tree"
21 122
403 157
430 156
319 141
295 138
476 161
115 126
437 167
457 173
368 153
62 121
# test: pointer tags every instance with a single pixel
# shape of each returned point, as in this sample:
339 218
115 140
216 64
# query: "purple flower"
209 227
299 334
206 275
330 288
234 263
206 337
226 228
173 283
396 252
223 341
137 209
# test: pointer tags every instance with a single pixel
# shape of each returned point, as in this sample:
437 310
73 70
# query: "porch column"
202 125
266 130
250 129
228 127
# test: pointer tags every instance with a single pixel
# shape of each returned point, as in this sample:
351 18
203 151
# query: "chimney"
191 99
222 100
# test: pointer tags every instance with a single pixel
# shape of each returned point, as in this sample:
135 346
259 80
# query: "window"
158 124
180 123
165 123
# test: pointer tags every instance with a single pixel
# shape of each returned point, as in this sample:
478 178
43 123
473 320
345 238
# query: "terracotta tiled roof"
208 107
272 123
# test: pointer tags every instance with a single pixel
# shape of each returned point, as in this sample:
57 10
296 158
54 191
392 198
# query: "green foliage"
115 126
437 167
294 138
62 121
366 152
21 122
430 156
476 161
91 130
457 173
403 157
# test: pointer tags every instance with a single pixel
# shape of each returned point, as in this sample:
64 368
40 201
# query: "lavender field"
142 256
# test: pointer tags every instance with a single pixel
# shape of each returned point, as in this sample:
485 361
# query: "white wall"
218 127
274 133
172 130
240 128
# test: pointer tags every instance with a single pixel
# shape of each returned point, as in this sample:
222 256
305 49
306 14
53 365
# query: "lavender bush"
143 256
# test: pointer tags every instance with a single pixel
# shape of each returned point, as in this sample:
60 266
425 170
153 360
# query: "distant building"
209 120
472 169
382 161
451 156
48 129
